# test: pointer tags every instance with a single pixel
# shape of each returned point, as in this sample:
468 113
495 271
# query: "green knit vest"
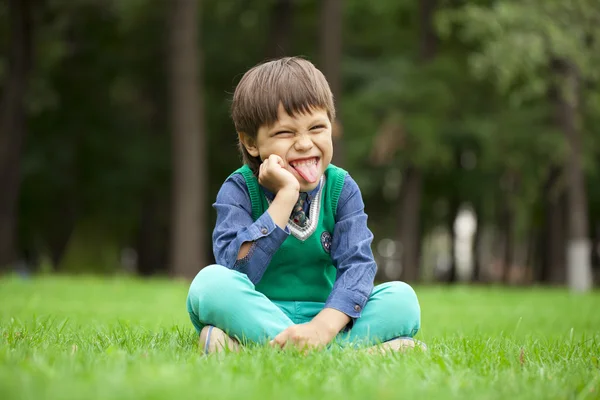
301 269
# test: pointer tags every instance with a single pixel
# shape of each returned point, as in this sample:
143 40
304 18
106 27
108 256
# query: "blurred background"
471 127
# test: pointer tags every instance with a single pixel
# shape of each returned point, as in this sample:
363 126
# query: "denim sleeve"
351 253
234 226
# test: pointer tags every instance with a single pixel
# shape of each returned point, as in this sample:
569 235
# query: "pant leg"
228 300
392 311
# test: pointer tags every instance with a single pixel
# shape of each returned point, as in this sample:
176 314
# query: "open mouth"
307 168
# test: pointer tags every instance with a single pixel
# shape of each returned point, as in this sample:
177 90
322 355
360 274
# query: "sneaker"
398 344
213 339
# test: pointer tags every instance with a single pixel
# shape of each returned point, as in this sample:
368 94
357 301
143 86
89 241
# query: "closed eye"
318 127
279 133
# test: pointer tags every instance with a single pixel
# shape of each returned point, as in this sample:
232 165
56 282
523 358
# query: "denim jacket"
350 248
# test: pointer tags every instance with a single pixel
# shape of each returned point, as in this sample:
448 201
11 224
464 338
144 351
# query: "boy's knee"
406 305
403 290
211 273
212 286
211 279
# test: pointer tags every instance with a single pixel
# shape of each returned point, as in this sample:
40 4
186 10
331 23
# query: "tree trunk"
409 223
476 273
62 228
579 272
451 276
454 203
507 229
188 246
331 64
530 256
428 38
151 239
151 257
13 124
553 237
595 255
280 29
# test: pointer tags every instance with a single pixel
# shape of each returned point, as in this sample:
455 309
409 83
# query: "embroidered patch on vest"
326 241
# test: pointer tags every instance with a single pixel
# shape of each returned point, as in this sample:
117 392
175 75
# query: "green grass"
86 338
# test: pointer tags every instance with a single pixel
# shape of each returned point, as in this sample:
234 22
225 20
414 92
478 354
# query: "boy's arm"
279 210
239 243
352 255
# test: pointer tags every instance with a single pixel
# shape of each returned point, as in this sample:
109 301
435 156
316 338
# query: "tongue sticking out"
308 170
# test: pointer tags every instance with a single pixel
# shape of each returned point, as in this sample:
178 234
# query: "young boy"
295 266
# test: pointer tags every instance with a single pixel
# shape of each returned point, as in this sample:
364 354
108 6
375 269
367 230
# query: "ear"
249 143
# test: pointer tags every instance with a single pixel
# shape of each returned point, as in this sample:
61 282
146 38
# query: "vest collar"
303 233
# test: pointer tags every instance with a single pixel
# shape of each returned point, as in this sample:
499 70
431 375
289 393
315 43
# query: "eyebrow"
279 128
319 121
284 127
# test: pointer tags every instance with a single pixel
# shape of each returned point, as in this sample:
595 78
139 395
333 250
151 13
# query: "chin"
307 187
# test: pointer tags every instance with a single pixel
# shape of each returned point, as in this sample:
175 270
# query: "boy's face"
303 142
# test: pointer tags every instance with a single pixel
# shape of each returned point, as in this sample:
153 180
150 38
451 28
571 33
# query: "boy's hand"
273 175
317 333
312 334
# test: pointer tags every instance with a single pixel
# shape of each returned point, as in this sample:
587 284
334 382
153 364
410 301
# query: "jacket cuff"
265 227
349 302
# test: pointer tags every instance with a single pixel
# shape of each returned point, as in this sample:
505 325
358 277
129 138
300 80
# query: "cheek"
277 147
326 146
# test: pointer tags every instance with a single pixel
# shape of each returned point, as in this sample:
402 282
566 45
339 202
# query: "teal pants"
227 299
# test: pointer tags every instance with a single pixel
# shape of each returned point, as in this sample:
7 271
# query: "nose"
303 142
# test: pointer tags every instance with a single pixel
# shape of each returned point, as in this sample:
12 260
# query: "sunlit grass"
87 338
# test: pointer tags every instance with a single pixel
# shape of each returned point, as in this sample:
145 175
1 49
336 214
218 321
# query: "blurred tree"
330 62
519 40
412 186
188 253
280 29
397 109
13 123
553 232
477 115
579 255
142 90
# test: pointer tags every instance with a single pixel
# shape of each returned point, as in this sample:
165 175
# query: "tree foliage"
477 120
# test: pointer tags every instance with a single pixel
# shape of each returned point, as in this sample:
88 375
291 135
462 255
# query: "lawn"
90 338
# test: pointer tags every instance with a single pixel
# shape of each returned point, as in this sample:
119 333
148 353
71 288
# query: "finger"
272 166
272 161
281 339
302 343
275 161
263 168
261 173
265 164
278 160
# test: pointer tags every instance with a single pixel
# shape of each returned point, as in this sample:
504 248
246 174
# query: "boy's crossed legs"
227 299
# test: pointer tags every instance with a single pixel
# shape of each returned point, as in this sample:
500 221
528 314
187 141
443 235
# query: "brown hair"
291 81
